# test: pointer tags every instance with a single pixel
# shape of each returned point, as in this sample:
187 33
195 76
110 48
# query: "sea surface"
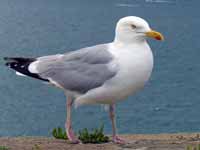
169 103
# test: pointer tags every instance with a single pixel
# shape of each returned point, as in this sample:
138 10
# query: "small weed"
58 133
36 147
4 148
97 136
192 147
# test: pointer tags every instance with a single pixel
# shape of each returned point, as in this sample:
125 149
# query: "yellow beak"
154 34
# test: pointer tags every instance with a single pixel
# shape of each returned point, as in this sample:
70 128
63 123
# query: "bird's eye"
133 26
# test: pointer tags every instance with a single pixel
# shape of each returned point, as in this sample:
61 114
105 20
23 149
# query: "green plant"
96 136
191 147
4 148
58 133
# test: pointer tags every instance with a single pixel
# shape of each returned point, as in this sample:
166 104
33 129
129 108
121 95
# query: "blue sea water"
170 102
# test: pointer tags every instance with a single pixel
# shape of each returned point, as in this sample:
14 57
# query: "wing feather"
78 71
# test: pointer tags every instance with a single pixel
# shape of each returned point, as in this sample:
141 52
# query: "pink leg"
115 138
70 134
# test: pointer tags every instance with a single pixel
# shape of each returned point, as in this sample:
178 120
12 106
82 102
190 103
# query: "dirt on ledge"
135 142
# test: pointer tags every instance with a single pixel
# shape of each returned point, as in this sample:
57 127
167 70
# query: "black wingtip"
7 58
21 65
7 64
8 61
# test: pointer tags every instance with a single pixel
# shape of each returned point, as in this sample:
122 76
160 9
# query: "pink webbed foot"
118 140
72 138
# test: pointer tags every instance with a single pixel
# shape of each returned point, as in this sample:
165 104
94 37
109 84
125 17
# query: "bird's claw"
71 136
74 141
118 140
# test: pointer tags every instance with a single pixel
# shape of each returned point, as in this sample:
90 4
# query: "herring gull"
100 74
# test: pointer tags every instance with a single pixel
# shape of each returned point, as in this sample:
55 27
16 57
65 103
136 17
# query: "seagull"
101 74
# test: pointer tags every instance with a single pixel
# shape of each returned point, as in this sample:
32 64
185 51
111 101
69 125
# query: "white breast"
135 67
135 63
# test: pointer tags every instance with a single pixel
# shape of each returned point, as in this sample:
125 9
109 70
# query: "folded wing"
78 71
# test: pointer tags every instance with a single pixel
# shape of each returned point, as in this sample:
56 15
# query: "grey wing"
79 71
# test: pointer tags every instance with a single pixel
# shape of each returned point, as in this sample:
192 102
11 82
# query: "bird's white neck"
139 43
129 40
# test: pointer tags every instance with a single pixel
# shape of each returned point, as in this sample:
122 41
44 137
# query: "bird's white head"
130 29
